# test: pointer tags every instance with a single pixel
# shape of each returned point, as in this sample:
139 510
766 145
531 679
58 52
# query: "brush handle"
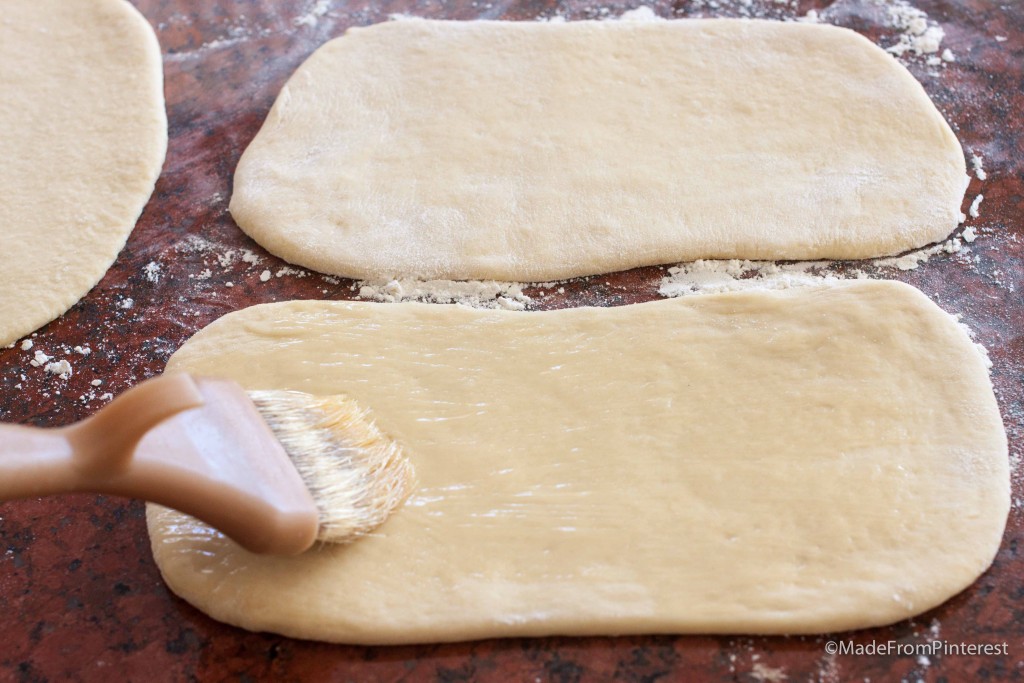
39 462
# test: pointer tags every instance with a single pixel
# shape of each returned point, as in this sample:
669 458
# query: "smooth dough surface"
82 138
771 462
539 151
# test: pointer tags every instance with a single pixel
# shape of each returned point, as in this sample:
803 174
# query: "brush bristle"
357 475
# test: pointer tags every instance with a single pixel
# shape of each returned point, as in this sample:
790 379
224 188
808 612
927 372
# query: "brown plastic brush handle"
197 445
40 462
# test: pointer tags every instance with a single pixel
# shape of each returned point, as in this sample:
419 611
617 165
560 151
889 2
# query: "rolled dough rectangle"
771 462
539 151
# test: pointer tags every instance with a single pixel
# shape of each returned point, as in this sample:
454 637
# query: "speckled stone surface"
80 597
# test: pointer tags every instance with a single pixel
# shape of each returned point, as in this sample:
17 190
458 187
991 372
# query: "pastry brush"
274 470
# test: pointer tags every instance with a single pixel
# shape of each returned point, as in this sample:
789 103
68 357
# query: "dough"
82 139
536 151
761 462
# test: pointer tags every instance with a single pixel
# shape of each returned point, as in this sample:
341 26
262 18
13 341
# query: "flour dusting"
152 271
235 35
916 35
975 206
977 164
476 293
61 368
39 359
642 13
313 14
711 277
912 260
767 674
217 256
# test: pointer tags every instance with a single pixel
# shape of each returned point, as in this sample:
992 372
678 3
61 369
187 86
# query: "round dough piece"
82 139
540 151
772 462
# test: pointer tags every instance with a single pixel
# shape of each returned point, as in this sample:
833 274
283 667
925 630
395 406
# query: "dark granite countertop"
80 595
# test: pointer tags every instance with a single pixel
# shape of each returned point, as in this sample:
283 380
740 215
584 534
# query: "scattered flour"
828 670
753 9
915 34
26 345
225 258
975 205
127 303
235 35
152 271
912 260
294 272
61 368
767 674
40 359
708 277
313 14
979 169
194 244
479 294
642 13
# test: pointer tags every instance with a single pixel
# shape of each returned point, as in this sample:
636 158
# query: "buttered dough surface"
759 462
82 138
540 151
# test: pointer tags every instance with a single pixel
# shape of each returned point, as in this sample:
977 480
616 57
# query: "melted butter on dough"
757 462
541 151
